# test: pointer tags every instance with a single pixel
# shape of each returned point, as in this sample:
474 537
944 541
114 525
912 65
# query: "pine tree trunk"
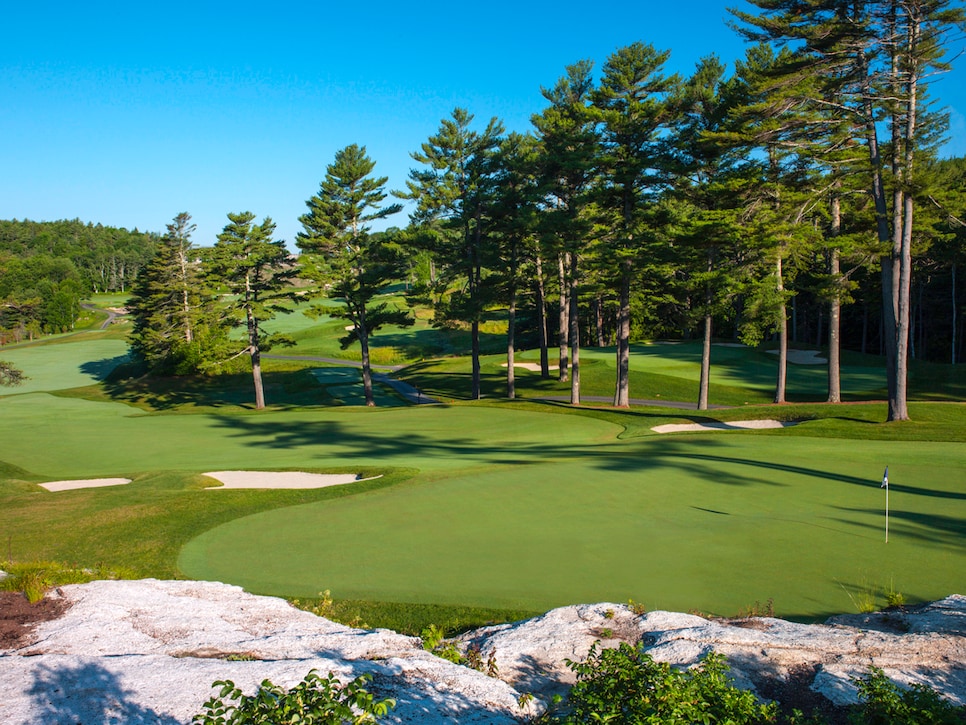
599 321
256 358
835 308
185 299
834 327
574 334
362 332
782 336
510 344
621 388
475 354
562 370
889 283
704 384
542 322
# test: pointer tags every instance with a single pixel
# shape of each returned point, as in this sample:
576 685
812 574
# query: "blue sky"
129 113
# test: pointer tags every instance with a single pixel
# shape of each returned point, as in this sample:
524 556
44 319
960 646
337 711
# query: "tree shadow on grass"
636 457
101 369
932 529
87 693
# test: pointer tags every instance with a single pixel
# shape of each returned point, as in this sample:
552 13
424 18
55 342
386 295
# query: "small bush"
886 703
316 700
625 685
34 579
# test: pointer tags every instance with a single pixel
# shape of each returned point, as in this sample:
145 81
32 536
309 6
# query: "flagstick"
887 515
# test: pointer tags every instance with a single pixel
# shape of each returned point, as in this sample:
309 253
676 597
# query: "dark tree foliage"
453 191
257 271
9 375
176 328
339 250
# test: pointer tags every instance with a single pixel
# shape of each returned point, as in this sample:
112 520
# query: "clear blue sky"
128 113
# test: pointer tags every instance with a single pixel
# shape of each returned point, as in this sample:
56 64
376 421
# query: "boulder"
148 652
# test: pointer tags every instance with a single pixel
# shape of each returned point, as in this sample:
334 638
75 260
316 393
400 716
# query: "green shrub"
886 703
316 700
625 685
34 579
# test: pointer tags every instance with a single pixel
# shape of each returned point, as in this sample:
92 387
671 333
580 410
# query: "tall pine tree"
338 249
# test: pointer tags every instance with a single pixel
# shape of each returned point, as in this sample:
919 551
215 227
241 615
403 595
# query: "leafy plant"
637 608
886 703
432 637
316 700
758 609
893 598
625 685
434 641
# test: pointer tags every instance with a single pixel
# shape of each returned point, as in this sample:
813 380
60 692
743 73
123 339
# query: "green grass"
488 510
713 523
50 367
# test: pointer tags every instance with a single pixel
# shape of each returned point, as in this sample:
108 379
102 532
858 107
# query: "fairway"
712 523
497 505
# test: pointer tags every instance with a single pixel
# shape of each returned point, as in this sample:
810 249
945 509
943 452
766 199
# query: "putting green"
712 522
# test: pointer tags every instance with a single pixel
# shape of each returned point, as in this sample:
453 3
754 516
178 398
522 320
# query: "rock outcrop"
148 651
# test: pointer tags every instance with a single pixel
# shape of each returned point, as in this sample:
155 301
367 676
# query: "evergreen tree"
174 325
873 60
514 225
257 270
711 183
10 375
340 251
569 142
631 105
453 194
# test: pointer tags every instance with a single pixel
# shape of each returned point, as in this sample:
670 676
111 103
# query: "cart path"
413 395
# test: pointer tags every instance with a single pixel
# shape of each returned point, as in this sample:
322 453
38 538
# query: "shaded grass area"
287 384
409 618
665 371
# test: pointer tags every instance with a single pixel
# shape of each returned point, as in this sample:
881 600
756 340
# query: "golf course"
501 506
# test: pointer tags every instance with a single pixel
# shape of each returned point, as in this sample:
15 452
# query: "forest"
798 199
48 268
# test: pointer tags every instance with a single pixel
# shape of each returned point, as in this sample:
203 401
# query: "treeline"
48 268
797 198
800 195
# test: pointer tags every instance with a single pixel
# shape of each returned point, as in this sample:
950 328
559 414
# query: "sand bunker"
84 483
281 479
732 425
532 367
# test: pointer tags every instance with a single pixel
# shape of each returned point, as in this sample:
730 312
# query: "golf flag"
885 478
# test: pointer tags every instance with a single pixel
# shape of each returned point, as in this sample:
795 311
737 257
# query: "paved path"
111 314
415 396
410 393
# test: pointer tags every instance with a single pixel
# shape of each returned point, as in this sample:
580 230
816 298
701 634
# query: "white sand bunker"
531 366
281 479
731 425
84 483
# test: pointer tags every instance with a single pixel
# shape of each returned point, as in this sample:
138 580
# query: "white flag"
885 478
